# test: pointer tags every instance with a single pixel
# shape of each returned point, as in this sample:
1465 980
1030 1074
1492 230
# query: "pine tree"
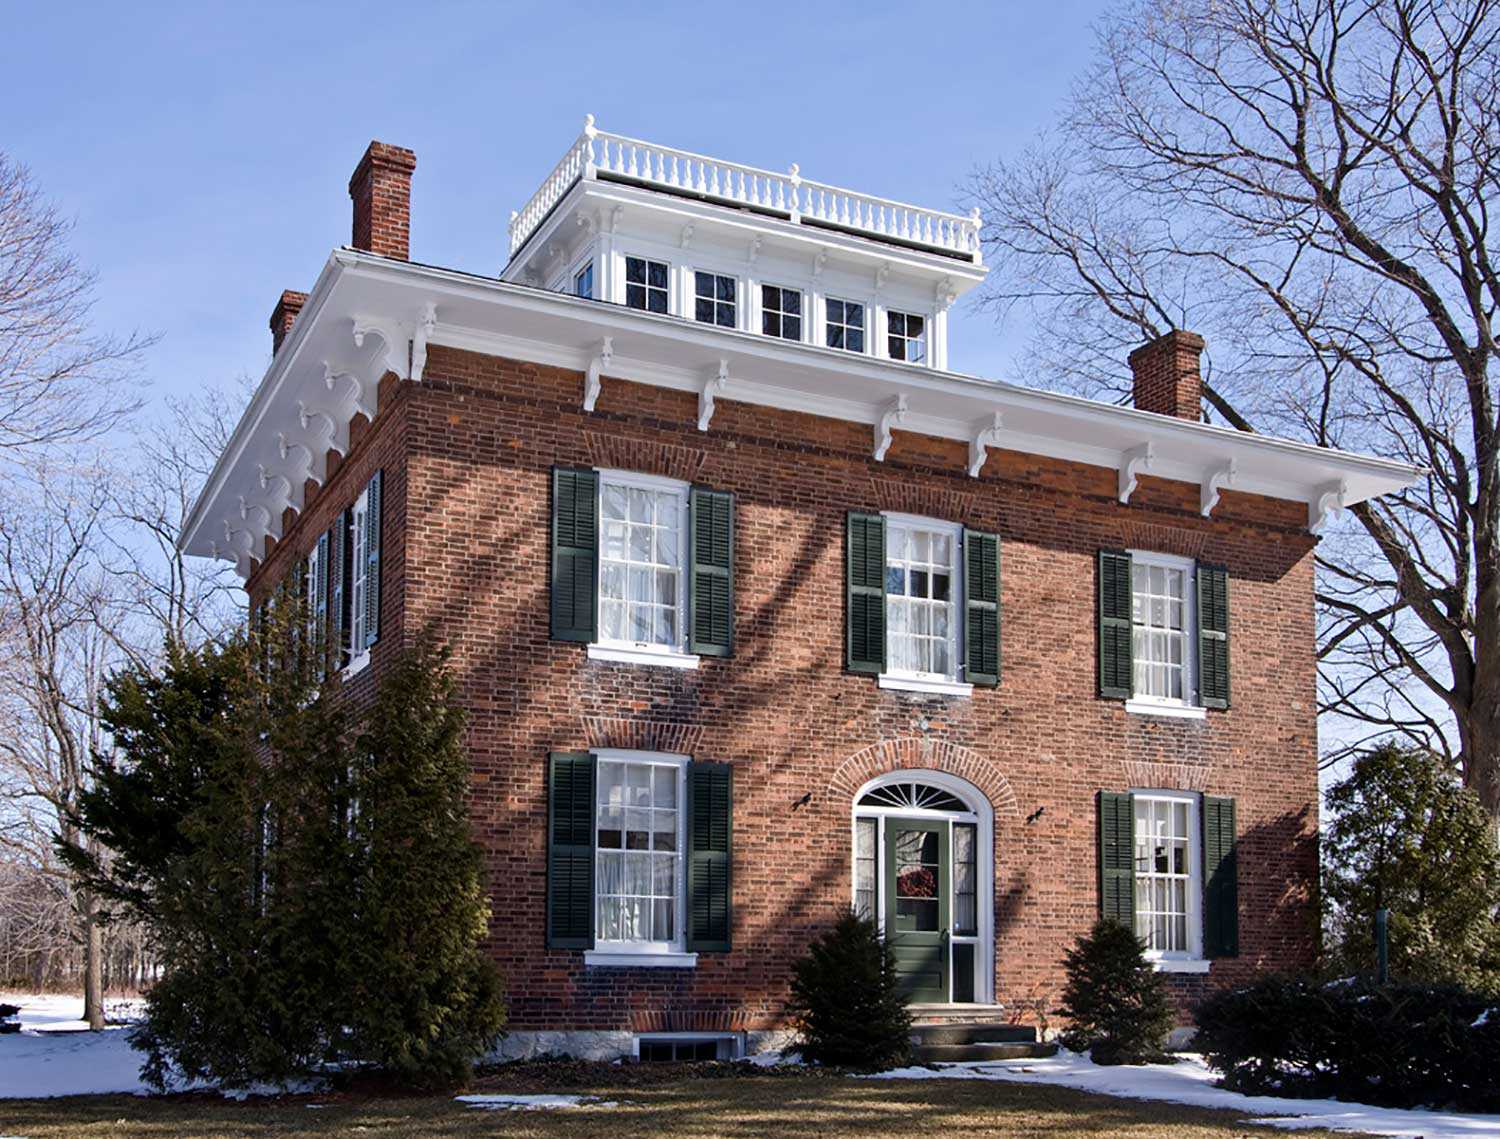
847 1004
1406 835
1116 1003
426 999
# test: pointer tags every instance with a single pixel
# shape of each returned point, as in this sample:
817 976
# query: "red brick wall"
471 560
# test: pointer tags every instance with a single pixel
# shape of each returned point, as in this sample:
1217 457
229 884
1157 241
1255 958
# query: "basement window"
686 1048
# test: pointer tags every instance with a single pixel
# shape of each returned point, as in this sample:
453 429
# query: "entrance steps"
956 1033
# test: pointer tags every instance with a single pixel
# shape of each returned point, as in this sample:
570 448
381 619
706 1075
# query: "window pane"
635 270
658 274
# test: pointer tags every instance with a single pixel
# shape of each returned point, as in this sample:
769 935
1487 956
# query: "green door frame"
923 956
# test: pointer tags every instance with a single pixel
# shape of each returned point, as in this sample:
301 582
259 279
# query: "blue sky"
205 150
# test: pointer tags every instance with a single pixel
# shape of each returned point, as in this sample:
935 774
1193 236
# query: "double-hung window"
1168 886
781 312
714 299
1161 604
639 840
642 583
1163 633
920 591
646 284
315 594
906 336
845 325
359 583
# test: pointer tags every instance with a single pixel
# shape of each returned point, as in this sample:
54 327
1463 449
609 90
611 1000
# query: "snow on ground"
1191 1082
532 1102
52 1055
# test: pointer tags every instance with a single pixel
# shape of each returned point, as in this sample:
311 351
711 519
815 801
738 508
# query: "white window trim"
636 954
926 337
1189 707
359 652
868 306
585 262
636 652
1192 959
690 296
930 682
757 323
674 307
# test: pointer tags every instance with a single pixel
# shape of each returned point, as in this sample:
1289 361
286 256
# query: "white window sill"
356 665
626 654
931 687
634 959
1179 965
1176 711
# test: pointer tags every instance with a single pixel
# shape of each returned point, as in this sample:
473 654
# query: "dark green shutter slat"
575 554
338 573
372 560
570 850
1117 857
1213 636
1116 666
1221 908
710 793
982 608
711 573
864 581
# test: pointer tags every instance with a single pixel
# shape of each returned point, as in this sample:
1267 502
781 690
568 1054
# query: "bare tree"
172 595
1307 183
56 608
60 382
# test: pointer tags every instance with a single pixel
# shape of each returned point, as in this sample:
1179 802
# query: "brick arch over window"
642 735
651 458
917 753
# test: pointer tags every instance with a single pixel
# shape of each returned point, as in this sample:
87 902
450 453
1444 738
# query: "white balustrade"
598 152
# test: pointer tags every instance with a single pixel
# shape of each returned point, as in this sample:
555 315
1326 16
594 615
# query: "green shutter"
982 608
320 592
1213 636
1221 906
864 585
372 560
1117 857
338 574
1116 667
575 554
710 795
711 573
570 850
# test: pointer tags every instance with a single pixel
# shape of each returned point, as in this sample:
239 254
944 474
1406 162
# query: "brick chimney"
283 316
1167 380
381 191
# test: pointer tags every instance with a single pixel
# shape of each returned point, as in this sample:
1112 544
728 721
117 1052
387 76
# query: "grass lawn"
668 1101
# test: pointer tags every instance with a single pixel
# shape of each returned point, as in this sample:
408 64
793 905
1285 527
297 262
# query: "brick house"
759 611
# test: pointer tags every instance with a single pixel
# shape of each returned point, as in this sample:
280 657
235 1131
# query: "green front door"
916 915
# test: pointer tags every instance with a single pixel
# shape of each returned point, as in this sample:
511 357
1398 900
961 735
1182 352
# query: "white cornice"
404 303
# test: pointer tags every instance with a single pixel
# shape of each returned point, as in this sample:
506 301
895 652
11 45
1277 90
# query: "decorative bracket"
425 325
614 218
1214 484
943 294
392 339
882 275
587 223
986 437
711 387
754 252
305 465
818 262
894 413
326 439
591 381
1328 502
1132 463
354 392
686 240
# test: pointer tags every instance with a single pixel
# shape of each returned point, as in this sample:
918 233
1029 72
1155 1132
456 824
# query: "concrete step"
993 1050
974 1033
